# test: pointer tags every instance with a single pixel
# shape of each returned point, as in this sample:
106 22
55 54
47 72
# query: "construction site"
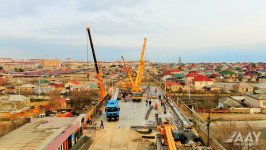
136 111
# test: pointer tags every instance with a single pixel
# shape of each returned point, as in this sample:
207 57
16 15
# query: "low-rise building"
26 88
19 66
228 102
201 81
243 88
51 63
256 100
5 60
14 103
174 86
50 133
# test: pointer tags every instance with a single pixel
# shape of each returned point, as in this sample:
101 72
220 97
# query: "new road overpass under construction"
140 124
133 117
154 124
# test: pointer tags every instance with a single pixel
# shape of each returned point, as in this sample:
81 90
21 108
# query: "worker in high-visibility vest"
162 133
100 110
155 106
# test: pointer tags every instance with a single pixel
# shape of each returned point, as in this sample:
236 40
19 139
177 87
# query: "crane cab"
137 96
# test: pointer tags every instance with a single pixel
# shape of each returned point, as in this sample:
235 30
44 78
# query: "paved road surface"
117 134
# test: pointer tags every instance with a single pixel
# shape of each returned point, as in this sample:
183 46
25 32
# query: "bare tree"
82 98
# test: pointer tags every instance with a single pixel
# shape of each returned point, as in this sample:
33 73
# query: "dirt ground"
113 138
234 116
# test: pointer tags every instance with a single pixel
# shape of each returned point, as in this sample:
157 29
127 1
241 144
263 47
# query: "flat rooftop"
38 134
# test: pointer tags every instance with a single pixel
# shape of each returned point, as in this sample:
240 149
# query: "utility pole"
189 92
208 128
165 86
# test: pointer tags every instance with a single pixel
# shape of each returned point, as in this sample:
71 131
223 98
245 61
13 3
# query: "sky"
196 30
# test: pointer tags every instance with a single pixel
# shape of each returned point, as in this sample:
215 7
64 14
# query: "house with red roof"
202 82
72 85
174 71
190 77
2 81
174 86
57 86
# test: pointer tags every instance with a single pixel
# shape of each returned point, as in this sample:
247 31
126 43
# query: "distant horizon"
91 61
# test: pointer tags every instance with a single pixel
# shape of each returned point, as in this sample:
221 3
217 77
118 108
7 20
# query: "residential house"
228 102
256 100
260 87
243 87
61 101
174 71
2 81
190 77
178 76
229 76
14 103
262 72
26 88
43 89
57 86
174 86
201 82
72 85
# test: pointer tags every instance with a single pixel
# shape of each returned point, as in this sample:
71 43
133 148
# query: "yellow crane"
136 90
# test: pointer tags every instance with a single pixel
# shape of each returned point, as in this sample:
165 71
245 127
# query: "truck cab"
112 109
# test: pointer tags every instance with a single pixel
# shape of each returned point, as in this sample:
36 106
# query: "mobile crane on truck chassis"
129 75
99 75
136 90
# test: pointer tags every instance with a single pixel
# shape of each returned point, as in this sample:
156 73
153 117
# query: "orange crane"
99 76
136 90
129 75
166 132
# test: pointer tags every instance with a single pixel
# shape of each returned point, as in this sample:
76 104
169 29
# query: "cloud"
177 27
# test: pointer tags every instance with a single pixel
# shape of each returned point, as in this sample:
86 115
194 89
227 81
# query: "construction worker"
146 102
89 121
124 96
162 102
155 106
162 133
101 126
100 110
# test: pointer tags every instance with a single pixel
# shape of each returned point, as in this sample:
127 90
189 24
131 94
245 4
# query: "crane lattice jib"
136 87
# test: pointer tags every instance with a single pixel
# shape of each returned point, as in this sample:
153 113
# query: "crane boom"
128 72
136 87
99 76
